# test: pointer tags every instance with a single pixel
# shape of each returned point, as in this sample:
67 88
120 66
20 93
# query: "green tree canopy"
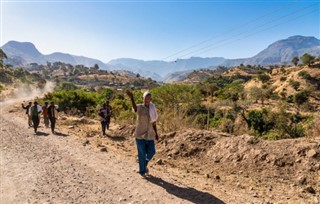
307 59
179 96
295 61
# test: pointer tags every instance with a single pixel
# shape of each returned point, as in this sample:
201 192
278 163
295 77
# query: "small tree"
307 59
256 93
96 66
263 77
295 61
301 97
259 121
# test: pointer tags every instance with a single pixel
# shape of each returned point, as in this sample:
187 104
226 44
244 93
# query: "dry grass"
174 121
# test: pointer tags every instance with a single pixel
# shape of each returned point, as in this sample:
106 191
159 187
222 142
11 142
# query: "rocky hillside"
281 52
196 75
90 77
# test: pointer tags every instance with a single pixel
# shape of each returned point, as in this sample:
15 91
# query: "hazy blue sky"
148 30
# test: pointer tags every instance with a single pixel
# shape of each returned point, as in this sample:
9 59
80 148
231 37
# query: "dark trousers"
146 150
36 121
103 126
52 123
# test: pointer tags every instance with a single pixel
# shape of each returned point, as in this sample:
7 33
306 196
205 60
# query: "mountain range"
279 52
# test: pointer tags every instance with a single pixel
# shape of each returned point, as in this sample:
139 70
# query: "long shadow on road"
60 134
190 194
41 133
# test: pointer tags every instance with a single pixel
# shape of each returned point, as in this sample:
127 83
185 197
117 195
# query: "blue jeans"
146 150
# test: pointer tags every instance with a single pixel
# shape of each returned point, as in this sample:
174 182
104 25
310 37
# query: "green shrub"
69 99
294 84
67 86
297 131
283 78
304 74
301 97
273 135
288 125
259 121
226 125
201 120
263 77
232 92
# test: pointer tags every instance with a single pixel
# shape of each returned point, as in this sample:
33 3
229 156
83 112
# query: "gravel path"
46 168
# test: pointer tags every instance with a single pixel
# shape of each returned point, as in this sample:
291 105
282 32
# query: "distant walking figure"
27 112
104 114
145 131
53 116
109 114
45 114
35 111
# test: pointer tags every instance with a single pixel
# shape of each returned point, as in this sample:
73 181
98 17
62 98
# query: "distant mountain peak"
22 47
296 37
27 53
279 52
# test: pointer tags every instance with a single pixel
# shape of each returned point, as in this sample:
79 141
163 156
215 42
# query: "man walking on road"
35 111
53 116
27 112
45 114
145 131
109 109
104 116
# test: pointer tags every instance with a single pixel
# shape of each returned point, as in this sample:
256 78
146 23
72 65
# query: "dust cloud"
25 93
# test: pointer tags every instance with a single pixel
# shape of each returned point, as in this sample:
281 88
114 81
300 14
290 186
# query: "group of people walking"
145 132
34 111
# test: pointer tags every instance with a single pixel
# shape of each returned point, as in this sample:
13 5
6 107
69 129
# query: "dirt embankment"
284 171
77 165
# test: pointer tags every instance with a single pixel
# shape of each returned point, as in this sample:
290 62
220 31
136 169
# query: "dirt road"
46 168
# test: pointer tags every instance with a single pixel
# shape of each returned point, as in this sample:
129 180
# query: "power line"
207 50
233 29
226 39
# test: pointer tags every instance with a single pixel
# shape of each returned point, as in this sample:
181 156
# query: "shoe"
147 171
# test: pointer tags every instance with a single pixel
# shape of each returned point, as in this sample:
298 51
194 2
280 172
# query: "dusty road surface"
47 168
61 168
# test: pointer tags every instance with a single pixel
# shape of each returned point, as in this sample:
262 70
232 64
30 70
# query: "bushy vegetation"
221 102
183 105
